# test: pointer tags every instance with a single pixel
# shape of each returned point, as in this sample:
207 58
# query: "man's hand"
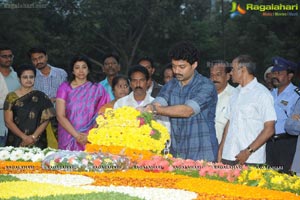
243 156
296 117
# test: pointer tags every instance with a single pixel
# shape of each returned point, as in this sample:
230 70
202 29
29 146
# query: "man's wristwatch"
154 111
250 150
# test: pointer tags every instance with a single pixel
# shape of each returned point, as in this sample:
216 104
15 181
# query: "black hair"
85 59
116 80
248 62
227 66
3 48
138 68
36 50
114 55
25 67
184 51
147 58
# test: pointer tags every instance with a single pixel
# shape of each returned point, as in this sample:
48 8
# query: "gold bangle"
33 137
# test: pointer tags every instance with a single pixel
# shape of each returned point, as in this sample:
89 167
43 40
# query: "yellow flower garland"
121 127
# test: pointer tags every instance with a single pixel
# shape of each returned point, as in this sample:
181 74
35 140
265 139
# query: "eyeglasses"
27 77
7 56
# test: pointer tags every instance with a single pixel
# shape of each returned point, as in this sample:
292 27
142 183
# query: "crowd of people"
208 119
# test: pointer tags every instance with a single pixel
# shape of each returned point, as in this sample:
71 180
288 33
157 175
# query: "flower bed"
145 174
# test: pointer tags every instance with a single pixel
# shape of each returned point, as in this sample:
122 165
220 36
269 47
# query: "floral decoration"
128 127
269 178
135 155
34 154
83 161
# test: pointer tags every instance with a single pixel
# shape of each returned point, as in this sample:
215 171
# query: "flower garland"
128 127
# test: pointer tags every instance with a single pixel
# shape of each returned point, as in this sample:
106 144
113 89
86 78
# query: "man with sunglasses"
11 83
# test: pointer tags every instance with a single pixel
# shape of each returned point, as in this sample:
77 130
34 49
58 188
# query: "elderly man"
268 78
251 117
220 75
281 147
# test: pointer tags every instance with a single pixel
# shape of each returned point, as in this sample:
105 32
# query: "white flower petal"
58 179
146 193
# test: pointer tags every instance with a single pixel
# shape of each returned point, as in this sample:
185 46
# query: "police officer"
281 147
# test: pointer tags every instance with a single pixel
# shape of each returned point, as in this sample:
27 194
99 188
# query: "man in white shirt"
3 91
251 117
139 97
139 78
220 75
11 83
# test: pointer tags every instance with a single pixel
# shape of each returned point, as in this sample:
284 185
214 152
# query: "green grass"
90 196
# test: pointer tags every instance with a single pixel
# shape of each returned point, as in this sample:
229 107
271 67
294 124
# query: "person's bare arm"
9 122
261 139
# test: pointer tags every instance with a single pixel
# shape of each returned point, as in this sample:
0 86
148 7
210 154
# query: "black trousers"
280 153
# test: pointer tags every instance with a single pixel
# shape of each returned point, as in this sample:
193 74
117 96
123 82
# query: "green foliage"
7 178
191 173
134 28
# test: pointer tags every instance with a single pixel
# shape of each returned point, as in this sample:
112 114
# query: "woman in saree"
27 112
77 105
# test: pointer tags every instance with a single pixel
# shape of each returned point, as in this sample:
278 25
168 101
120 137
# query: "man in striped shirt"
48 78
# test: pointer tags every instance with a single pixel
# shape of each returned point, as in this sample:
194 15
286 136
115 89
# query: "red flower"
142 121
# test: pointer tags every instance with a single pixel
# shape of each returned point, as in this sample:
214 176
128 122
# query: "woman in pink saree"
77 104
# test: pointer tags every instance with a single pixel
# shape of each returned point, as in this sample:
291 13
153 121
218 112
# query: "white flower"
146 193
4 154
8 148
16 154
37 157
27 156
66 180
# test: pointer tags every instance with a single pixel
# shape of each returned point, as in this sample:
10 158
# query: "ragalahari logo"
236 10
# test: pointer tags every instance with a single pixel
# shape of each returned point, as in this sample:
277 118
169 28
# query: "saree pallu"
82 106
29 112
